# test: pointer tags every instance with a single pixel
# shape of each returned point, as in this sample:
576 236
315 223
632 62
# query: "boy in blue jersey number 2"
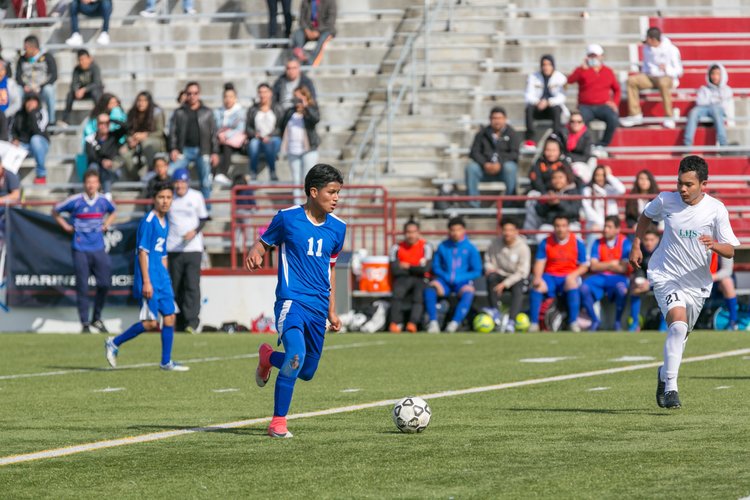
152 283
309 238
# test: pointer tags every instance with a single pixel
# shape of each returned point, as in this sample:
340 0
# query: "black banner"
40 261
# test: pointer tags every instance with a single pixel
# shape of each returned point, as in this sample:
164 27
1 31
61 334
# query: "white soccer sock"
674 346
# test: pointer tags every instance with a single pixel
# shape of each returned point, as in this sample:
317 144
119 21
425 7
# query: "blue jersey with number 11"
306 253
152 238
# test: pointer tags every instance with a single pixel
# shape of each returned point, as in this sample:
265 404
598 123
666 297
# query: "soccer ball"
412 414
522 322
483 323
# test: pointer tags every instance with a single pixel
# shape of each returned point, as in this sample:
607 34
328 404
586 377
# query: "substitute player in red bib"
695 226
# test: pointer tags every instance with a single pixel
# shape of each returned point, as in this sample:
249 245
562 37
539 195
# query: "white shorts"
671 294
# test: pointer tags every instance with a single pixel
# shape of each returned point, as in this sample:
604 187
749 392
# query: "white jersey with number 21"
680 257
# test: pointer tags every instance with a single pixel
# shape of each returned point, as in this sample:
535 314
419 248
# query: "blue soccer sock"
294 358
167 336
574 304
277 359
462 309
129 334
535 304
282 395
587 297
621 296
732 306
430 302
635 309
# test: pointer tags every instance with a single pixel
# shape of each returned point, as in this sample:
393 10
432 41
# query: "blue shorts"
291 314
605 285
453 287
162 303
555 284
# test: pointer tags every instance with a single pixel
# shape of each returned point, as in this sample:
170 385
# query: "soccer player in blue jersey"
91 215
309 238
152 283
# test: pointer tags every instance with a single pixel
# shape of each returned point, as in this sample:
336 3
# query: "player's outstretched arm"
254 260
333 318
636 256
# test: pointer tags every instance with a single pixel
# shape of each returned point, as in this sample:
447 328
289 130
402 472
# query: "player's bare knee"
466 289
150 325
169 320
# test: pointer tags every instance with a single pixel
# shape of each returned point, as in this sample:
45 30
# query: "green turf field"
595 437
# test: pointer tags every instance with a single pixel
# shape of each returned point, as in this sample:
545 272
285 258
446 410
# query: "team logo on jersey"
687 233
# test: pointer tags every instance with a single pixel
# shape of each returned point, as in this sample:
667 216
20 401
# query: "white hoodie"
666 54
535 90
716 95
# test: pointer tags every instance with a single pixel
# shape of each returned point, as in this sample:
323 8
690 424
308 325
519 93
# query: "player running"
152 283
695 224
309 238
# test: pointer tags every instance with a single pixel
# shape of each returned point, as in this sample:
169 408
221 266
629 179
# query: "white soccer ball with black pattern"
412 414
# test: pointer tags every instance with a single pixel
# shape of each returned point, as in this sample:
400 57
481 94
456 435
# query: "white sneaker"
148 13
631 121
433 327
174 367
103 38
600 152
191 11
669 123
452 327
222 180
110 351
75 40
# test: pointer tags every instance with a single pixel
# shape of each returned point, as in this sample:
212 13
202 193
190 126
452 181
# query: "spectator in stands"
10 93
455 266
36 72
19 6
286 6
662 68
645 183
300 137
545 98
230 121
602 187
639 284
187 217
10 192
598 94
721 272
103 152
578 146
411 260
146 137
546 211
262 122
317 22
29 131
192 137
150 10
291 80
494 155
4 133
159 174
560 263
609 273
715 101
507 264
7 62
89 8
109 104
86 82
91 216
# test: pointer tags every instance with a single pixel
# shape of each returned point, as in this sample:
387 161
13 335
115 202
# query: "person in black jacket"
262 128
86 82
29 131
299 139
192 137
286 84
494 155
562 182
103 151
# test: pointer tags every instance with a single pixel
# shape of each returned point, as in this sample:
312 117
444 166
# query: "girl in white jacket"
603 186
715 101
545 98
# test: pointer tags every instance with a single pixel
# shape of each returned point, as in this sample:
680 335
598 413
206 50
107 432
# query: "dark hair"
192 84
498 109
653 231
263 84
575 112
694 163
161 186
32 40
508 220
654 33
101 105
631 206
565 170
142 122
159 157
83 52
229 86
614 219
411 222
320 175
180 96
456 221
593 174
90 173
560 216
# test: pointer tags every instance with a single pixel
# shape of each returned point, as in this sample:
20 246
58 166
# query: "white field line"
156 436
186 361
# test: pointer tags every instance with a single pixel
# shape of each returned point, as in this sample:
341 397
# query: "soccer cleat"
110 351
394 328
174 367
533 327
411 327
86 328
659 388
575 327
594 326
277 428
99 325
635 327
433 327
452 327
191 330
263 371
733 327
618 326
672 400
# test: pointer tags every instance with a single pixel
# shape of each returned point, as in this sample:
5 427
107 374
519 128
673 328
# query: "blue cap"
181 174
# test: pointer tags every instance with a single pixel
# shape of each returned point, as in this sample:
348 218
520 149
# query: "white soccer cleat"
433 327
174 367
452 327
575 327
75 40
110 351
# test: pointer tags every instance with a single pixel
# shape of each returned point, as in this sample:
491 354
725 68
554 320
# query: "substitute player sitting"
560 263
721 273
695 226
639 284
152 284
609 268
310 238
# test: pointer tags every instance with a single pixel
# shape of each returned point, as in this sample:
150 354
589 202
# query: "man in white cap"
598 93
